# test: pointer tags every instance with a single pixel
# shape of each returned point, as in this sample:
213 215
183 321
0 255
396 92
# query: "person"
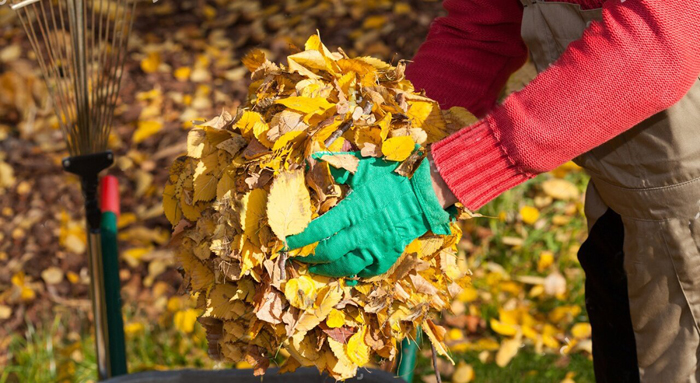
617 91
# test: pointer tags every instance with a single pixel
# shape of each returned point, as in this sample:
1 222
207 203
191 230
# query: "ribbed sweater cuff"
475 165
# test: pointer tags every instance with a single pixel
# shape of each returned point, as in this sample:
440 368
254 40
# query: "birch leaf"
289 204
306 105
343 161
398 148
436 334
171 205
357 350
254 204
205 187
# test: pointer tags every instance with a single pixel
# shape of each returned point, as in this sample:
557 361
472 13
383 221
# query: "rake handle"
109 193
88 167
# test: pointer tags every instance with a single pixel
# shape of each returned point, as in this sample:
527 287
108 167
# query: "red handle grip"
109 194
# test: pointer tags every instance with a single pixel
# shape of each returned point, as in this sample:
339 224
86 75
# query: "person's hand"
366 232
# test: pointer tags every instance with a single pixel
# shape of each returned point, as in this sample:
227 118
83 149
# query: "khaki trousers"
645 186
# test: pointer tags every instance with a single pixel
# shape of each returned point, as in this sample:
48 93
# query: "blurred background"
523 320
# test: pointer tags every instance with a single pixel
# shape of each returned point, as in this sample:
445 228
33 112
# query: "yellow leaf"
436 334
469 294
174 304
374 22
260 130
27 294
357 350
289 365
72 277
348 162
151 63
18 279
249 123
581 330
7 177
301 292
303 349
548 336
205 187
225 185
344 368
146 129
375 62
427 116
252 214
184 320
335 319
398 148
560 189
303 251
196 143
289 204
251 255
509 317
182 73
347 81
286 139
569 378
562 313
294 66
502 328
133 328
529 214
365 70
310 59
200 274
306 105
455 334
126 219
337 145
254 59
509 348
545 260
464 373
224 302
314 43
327 298
5 312
171 205
52 275
530 333
133 256
536 291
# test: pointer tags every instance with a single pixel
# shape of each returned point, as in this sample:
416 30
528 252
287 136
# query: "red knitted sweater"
641 59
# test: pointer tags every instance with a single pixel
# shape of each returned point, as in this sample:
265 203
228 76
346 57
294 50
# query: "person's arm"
641 59
469 54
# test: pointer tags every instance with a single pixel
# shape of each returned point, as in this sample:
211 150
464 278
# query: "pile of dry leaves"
248 182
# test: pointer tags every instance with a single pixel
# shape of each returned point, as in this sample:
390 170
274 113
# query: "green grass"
49 355
526 367
42 356
52 354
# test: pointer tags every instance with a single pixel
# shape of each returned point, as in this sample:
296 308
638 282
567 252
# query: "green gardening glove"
367 231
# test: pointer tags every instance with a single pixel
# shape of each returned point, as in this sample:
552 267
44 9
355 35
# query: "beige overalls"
643 208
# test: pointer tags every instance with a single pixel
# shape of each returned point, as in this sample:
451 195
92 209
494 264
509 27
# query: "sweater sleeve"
640 59
469 54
